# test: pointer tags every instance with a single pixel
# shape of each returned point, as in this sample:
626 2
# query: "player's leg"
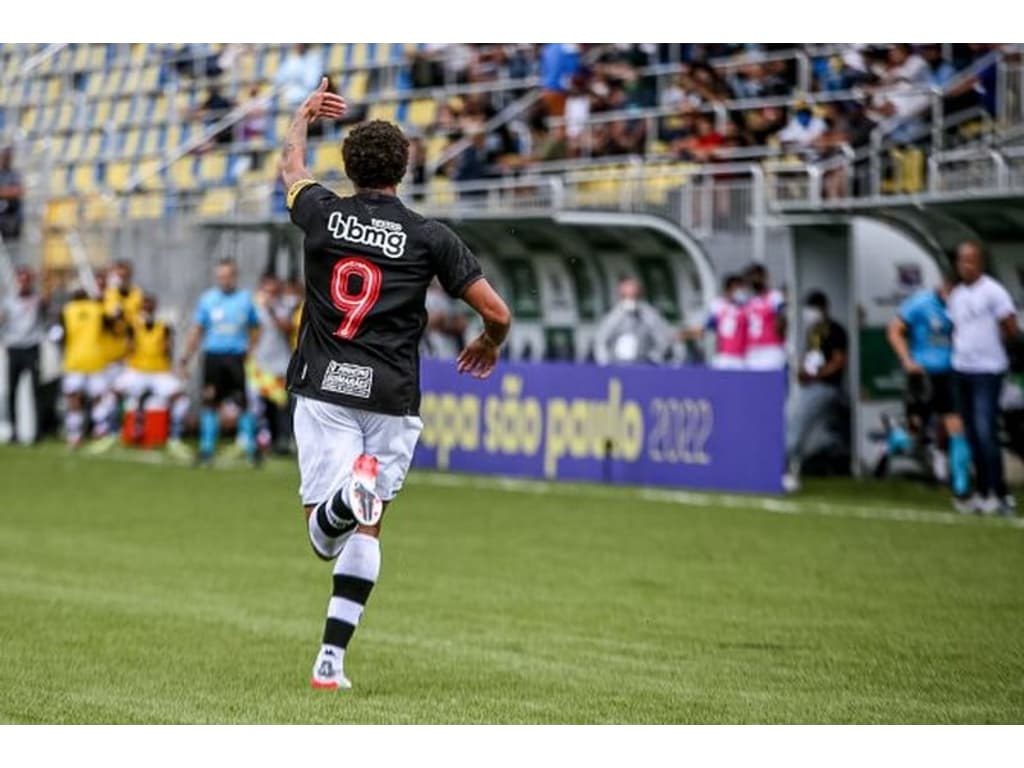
329 440
377 476
131 385
103 401
73 388
211 396
238 386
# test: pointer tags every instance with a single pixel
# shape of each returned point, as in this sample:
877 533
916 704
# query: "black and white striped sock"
330 522
355 573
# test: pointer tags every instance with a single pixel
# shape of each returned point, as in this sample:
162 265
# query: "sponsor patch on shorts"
348 379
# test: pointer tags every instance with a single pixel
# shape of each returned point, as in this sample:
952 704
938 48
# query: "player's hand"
323 103
912 368
478 358
181 370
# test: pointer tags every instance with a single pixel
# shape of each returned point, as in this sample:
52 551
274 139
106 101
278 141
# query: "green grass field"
136 593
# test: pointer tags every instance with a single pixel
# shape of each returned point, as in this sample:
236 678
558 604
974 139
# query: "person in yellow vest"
148 379
83 324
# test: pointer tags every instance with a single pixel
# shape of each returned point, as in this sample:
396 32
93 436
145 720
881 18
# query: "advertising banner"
689 427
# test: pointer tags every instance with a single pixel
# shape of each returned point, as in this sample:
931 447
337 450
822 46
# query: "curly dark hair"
376 155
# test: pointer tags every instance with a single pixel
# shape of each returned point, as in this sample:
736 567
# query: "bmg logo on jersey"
380 234
348 379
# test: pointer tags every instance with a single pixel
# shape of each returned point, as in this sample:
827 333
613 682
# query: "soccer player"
921 335
149 379
766 322
83 326
227 326
729 324
355 374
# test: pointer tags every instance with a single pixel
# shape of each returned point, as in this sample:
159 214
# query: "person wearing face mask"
820 377
727 321
633 331
803 129
21 329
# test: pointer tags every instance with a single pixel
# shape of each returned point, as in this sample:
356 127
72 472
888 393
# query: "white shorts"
728 363
134 383
330 437
766 359
113 372
91 385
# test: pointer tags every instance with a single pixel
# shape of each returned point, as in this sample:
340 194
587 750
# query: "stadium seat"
422 112
97 208
123 110
84 178
357 83
181 174
213 168
118 175
382 111
327 160
150 79
217 202
58 180
149 173
131 143
56 252
93 145
146 206
101 112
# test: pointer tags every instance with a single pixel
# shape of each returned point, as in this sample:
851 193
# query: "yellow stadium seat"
53 89
58 180
440 191
357 86
92 146
132 141
271 62
73 150
60 213
335 57
217 202
29 119
118 175
131 81
97 82
151 142
435 146
182 173
159 113
102 113
423 112
358 54
123 111
65 115
97 56
138 53
213 167
99 208
327 159
173 138
56 253
147 171
382 111
83 178
146 206
112 85
150 78
81 56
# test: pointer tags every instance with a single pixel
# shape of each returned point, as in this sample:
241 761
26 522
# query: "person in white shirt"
983 314
633 332
299 74
21 332
803 128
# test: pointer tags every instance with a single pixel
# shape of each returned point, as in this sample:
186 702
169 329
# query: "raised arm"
320 103
481 355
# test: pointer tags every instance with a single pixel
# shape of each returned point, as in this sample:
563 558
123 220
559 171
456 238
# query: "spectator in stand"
21 323
901 95
819 397
766 322
940 71
702 145
559 62
212 110
11 192
299 73
803 129
983 316
633 331
472 164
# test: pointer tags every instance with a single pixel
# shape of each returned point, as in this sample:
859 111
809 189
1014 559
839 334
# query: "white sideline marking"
779 506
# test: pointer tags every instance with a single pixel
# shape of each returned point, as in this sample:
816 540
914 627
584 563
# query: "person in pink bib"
766 323
728 321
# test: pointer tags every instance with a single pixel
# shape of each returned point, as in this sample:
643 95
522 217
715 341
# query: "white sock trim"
342 609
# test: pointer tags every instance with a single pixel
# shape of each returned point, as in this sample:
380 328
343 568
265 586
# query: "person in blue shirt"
227 325
921 335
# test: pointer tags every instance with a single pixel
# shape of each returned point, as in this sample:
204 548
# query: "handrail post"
803 72
759 209
938 130
875 162
1002 169
934 169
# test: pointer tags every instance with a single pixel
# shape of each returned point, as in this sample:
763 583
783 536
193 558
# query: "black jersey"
368 262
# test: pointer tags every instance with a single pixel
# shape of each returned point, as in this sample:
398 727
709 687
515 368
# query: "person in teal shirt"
921 335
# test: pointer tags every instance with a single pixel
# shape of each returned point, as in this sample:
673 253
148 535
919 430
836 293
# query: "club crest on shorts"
348 379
